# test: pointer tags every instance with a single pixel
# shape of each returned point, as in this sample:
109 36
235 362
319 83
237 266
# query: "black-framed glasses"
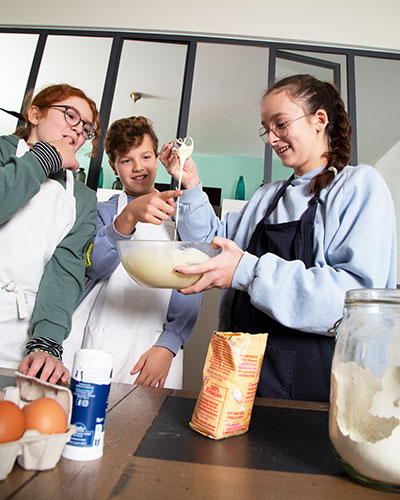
73 118
278 127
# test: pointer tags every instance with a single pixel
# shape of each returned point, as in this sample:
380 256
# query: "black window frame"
276 50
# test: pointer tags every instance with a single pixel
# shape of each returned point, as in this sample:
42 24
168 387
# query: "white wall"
364 23
195 350
389 167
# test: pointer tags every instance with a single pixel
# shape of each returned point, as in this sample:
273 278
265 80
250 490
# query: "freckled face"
304 145
137 168
49 124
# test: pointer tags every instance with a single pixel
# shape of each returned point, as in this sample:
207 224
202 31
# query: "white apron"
126 319
27 242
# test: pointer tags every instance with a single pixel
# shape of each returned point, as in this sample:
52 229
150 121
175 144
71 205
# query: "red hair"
50 95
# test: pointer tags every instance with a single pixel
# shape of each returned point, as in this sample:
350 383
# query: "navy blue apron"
296 364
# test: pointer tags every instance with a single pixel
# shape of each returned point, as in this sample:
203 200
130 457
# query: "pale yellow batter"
151 267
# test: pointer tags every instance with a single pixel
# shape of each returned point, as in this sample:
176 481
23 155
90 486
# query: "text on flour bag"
90 386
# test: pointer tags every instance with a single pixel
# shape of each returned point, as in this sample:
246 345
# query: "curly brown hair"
56 93
314 95
126 133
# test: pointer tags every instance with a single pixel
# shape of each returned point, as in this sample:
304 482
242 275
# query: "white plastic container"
90 386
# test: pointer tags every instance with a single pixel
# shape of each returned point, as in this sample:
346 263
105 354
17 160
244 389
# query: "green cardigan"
62 281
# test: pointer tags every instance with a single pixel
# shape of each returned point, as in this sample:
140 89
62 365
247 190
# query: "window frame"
276 50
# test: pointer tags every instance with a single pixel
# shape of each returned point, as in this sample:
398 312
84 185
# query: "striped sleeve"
48 156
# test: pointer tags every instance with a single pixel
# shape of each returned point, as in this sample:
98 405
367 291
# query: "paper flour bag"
230 378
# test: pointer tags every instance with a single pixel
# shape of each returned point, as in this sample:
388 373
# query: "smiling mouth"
282 150
139 178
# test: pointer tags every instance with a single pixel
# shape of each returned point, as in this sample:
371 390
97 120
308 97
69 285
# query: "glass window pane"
155 71
377 93
18 62
83 64
287 67
229 83
377 99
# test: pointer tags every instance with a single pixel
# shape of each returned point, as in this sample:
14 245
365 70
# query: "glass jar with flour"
364 419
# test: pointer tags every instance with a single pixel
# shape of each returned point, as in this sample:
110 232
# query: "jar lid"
373 295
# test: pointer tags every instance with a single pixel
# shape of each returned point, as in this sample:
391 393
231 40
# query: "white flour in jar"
365 418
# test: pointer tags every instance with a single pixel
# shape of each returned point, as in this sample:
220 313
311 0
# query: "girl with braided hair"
298 245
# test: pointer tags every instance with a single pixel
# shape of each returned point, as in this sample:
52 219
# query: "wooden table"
119 474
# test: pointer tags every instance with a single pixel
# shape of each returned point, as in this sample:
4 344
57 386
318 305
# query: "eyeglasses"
279 128
73 118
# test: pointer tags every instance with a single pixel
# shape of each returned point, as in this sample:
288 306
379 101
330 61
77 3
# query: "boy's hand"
153 366
170 160
52 369
153 208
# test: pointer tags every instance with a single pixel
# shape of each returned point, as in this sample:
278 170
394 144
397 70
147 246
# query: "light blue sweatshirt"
354 246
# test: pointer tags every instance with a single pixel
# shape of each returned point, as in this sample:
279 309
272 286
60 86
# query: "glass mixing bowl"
151 263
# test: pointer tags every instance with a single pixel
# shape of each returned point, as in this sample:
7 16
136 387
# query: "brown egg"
46 416
12 424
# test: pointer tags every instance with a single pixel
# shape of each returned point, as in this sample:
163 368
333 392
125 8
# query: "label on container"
89 412
90 387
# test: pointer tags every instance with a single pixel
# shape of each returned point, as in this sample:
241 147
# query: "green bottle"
240 189
117 184
100 183
81 175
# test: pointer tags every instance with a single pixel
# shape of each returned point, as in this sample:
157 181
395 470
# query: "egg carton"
35 451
